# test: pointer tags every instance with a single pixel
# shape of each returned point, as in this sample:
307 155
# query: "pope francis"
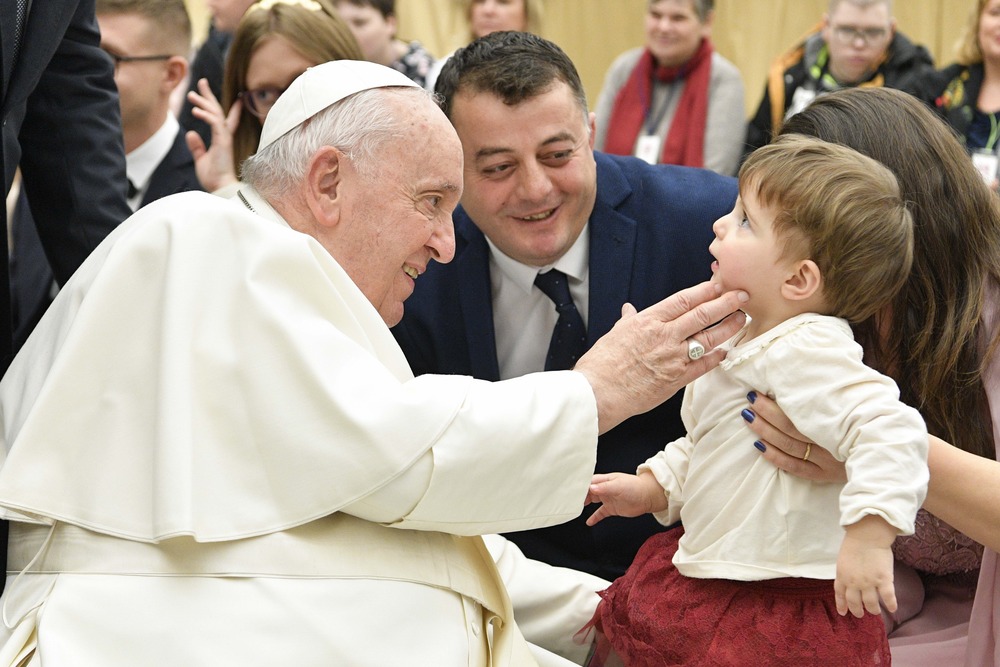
215 453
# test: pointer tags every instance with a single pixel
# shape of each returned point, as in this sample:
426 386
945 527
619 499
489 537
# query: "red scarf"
685 142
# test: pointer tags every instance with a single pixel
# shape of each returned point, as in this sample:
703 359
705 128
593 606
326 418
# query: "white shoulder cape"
209 372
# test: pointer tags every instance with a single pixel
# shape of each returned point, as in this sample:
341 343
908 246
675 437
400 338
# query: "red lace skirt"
655 616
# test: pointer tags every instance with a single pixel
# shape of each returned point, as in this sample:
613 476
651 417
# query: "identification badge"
648 148
986 163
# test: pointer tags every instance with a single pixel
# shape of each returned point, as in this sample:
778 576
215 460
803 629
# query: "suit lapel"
612 250
612 255
167 178
475 300
46 25
7 28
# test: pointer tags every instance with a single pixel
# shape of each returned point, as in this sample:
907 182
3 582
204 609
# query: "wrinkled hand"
865 568
621 494
643 360
214 166
785 446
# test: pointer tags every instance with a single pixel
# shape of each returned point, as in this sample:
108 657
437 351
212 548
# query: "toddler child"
819 237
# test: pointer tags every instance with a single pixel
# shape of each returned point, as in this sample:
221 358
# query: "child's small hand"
865 568
625 495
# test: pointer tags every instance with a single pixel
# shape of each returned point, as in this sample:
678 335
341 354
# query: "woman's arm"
964 491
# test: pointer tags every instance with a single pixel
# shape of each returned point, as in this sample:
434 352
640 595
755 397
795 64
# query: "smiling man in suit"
537 198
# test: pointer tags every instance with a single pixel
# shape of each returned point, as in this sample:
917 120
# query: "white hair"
357 126
860 3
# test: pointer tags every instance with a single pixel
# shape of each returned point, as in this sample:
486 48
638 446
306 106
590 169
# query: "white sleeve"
551 604
519 454
834 399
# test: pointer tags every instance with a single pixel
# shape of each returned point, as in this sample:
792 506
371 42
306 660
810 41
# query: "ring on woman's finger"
695 349
809 448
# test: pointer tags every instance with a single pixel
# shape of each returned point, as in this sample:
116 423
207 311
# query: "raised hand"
215 166
644 359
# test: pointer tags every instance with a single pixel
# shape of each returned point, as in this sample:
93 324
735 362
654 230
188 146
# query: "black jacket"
802 67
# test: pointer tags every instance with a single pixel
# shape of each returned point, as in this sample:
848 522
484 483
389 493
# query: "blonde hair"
312 27
170 25
843 211
859 3
968 51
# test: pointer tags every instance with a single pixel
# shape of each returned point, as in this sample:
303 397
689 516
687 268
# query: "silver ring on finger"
695 349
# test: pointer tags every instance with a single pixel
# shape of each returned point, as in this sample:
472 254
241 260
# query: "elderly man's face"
857 38
530 176
399 219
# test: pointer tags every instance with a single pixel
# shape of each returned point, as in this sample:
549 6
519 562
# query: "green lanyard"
994 132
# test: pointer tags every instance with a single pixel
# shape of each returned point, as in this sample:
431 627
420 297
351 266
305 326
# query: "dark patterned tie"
569 338
22 12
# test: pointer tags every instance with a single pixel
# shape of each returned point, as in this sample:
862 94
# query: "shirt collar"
574 263
143 161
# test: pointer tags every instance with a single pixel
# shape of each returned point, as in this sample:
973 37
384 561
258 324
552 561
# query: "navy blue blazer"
649 235
62 124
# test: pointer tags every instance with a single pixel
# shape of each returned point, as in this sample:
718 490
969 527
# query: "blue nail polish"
747 415
752 396
759 445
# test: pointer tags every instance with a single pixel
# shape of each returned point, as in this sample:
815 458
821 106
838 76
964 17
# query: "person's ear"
393 25
803 282
177 69
592 126
325 186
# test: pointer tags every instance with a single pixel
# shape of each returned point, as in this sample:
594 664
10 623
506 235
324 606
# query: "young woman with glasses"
275 42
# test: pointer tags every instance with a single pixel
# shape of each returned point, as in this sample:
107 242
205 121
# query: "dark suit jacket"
30 273
649 235
174 174
62 124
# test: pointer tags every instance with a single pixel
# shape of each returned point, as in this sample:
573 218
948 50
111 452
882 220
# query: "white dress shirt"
145 158
523 317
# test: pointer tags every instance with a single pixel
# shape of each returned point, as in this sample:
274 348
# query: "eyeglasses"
260 100
134 59
846 34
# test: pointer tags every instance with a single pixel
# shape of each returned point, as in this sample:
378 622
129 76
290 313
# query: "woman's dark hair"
931 341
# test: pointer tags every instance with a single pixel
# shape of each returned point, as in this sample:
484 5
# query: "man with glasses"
149 41
856 45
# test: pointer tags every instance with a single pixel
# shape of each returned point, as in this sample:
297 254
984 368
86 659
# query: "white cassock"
215 453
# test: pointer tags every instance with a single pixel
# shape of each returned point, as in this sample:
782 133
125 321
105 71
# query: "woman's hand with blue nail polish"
784 446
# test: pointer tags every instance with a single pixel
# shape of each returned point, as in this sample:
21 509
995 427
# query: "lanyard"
653 122
994 132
